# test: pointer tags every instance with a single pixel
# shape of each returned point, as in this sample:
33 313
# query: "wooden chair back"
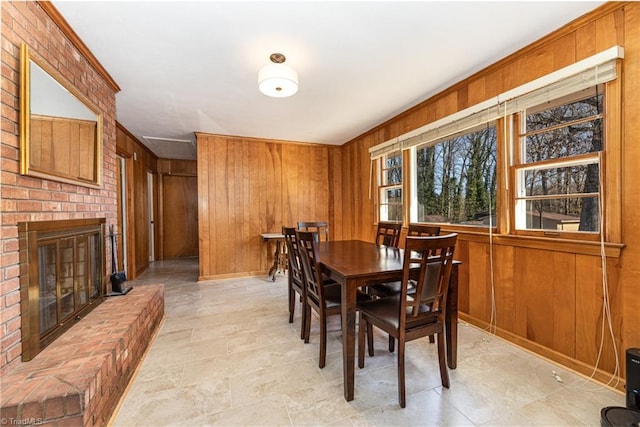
320 228
388 233
308 252
435 257
423 230
295 268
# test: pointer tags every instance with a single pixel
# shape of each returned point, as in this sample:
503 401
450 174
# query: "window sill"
581 247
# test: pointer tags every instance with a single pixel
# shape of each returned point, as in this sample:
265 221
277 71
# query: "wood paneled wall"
139 160
251 186
548 296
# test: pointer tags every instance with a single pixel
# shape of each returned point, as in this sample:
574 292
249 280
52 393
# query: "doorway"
179 201
122 214
151 216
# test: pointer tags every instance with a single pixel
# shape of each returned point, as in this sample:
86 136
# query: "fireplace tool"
118 278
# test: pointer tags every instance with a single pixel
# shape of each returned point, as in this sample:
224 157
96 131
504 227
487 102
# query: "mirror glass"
61 131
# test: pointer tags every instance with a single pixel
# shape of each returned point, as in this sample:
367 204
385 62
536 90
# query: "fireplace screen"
62 267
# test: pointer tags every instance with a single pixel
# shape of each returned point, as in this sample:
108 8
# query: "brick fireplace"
61 277
80 349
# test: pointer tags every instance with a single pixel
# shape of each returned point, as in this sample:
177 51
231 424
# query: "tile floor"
226 355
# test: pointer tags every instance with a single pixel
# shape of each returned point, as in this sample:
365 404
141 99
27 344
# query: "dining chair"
393 288
321 228
295 276
408 317
323 296
388 233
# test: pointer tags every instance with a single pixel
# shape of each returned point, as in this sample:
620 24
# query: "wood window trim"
611 166
379 171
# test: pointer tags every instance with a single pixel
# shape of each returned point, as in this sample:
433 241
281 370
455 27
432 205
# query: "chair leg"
442 359
391 344
370 338
323 341
292 303
362 328
307 322
401 385
431 339
303 319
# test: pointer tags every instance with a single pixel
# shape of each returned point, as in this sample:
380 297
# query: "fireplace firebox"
61 277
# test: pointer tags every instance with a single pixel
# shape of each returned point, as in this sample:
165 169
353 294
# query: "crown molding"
66 29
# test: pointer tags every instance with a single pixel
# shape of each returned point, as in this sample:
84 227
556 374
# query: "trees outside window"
558 167
456 179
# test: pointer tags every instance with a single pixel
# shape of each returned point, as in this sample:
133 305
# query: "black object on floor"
633 378
619 416
117 277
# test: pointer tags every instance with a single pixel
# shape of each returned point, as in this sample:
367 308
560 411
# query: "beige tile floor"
226 355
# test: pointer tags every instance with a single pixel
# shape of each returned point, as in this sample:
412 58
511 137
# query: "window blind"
596 69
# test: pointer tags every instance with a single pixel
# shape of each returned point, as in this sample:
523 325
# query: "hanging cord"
493 324
370 176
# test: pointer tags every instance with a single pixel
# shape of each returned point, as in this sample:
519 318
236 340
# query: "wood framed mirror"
60 129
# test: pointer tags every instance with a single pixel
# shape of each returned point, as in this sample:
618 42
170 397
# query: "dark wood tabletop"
355 263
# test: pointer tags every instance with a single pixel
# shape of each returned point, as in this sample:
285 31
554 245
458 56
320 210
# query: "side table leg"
274 267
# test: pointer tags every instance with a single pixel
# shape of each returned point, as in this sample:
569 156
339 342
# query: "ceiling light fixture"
277 79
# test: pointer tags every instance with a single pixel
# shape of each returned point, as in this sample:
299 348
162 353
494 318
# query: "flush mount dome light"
277 79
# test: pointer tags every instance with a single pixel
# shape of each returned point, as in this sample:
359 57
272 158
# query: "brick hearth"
80 377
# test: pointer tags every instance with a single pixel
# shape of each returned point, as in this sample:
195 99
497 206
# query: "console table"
280 260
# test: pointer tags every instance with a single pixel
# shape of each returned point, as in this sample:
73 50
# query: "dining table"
355 264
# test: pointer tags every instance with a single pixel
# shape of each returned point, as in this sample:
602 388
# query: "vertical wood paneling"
610 30
589 311
586 41
546 296
462 255
140 160
564 52
504 286
336 194
254 186
564 281
204 205
479 291
630 275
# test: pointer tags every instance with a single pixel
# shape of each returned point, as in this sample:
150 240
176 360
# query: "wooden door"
179 216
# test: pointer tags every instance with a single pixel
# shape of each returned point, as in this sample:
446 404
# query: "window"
547 177
557 165
390 187
455 179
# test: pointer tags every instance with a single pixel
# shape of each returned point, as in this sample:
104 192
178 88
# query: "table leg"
348 337
274 268
451 321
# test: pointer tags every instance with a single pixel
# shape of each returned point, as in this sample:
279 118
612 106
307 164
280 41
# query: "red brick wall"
33 199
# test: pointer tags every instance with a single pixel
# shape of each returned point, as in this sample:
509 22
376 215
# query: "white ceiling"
187 67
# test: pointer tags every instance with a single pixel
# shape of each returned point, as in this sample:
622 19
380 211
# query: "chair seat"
390 289
333 295
385 311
